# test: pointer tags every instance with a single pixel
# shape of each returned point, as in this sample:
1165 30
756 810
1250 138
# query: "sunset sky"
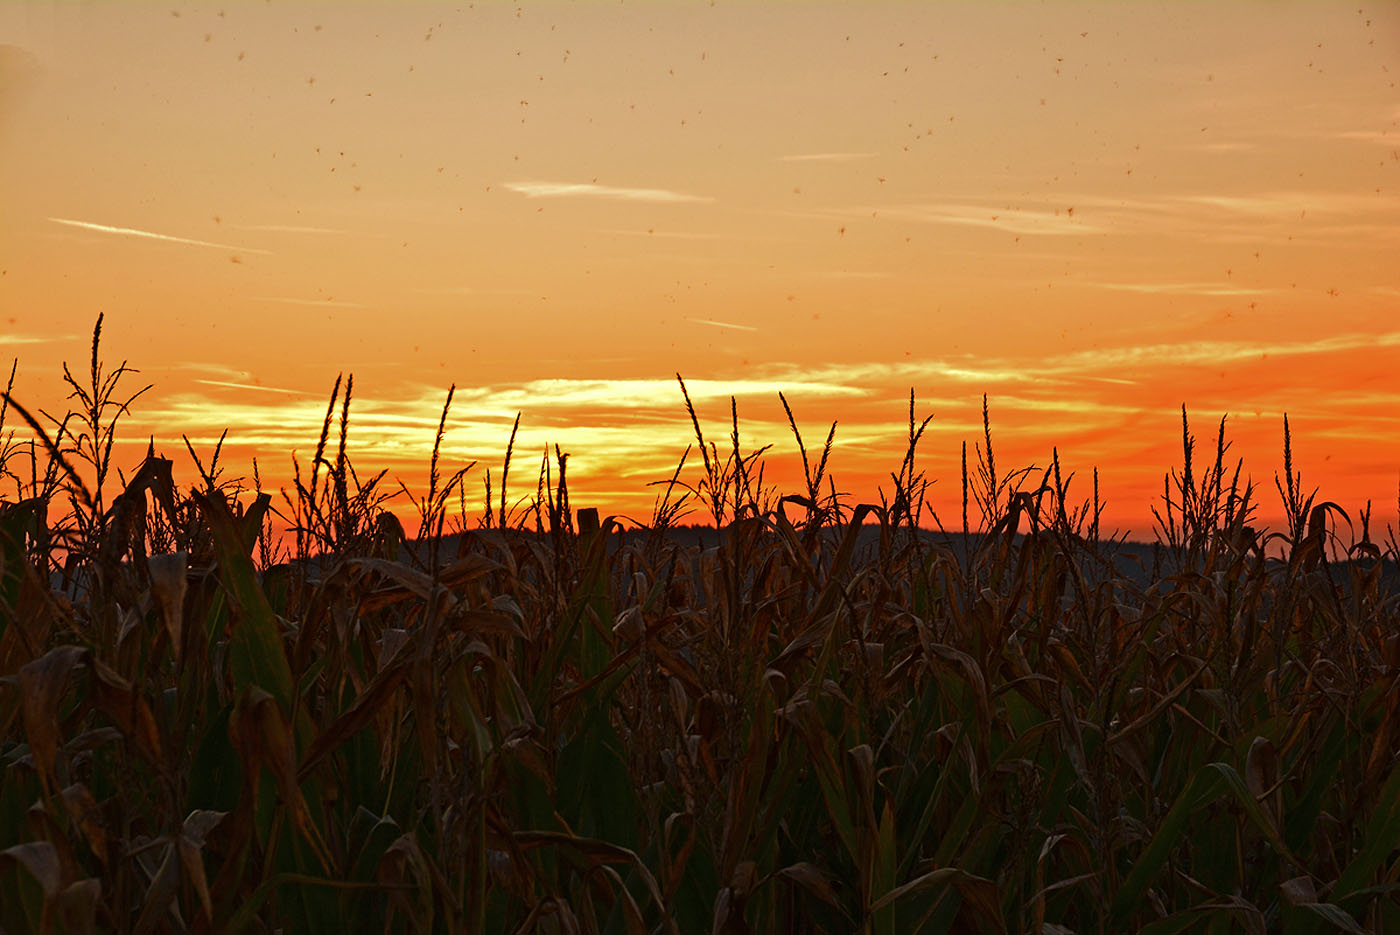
1092 213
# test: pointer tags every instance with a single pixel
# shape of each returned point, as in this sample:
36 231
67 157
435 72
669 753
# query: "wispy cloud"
1066 405
721 324
538 395
826 157
151 235
1263 204
1092 404
1290 204
1024 221
985 372
1214 353
291 229
1389 401
17 339
1179 288
1219 146
290 300
631 422
1379 137
1200 215
533 189
223 370
1095 406
251 386
1116 366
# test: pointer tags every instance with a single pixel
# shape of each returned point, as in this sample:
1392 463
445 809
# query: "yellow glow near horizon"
1093 213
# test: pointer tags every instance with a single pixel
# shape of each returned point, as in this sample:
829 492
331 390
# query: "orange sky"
1092 213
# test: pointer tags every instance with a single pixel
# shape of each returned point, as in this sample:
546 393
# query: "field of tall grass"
826 720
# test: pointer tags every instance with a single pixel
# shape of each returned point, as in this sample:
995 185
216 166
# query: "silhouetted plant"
548 724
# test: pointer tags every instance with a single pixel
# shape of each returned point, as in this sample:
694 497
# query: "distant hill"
1140 562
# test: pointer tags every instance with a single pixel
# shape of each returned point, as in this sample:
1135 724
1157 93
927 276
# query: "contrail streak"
251 386
589 189
133 232
721 324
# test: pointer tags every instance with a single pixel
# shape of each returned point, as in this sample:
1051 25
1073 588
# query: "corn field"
829 717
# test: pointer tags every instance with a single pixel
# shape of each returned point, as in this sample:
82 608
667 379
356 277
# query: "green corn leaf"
1382 833
1204 788
256 654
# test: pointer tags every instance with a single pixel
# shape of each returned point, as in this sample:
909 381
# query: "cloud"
1263 204
1065 404
635 423
1201 215
223 370
150 235
251 386
867 374
642 393
1379 137
531 189
17 339
291 229
1379 398
1178 288
826 157
1024 221
721 324
1287 205
1223 146
625 428
1103 406
289 300
1213 353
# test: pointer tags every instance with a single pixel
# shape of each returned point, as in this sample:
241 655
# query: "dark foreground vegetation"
542 726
